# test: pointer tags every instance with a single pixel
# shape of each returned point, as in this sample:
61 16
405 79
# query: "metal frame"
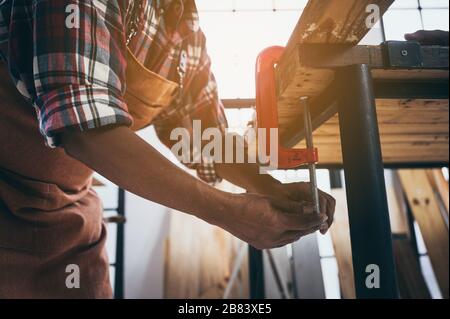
370 229
120 249
256 273
120 221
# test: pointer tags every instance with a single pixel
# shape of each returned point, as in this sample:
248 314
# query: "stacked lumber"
432 221
340 235
411 282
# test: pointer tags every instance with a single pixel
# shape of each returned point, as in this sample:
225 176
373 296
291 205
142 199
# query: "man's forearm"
247 176
127 160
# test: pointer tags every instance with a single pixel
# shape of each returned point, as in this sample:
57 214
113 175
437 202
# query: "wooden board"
411 131
410 278
334 21
199 258
432 225
340 234
398 215
411 283
440 185
322 22
308 70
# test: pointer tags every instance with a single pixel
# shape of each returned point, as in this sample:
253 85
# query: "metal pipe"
256 273
119 284
370 230
310 145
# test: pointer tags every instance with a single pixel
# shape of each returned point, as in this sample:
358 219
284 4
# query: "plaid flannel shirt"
75 76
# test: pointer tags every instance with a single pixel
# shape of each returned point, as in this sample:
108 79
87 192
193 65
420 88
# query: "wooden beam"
324 22
432 225
335 21
308 70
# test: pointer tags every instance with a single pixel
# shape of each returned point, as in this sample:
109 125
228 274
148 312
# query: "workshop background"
171 255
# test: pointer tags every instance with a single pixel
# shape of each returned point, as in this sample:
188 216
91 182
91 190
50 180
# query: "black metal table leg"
256 273
120 254
366 190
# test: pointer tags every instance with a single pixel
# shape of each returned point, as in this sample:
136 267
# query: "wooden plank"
322 22
410 278
308 70
199 258
411 282
411 131
432 225
440 185
340 235
326 56
334 21
392 154
409 275
397 207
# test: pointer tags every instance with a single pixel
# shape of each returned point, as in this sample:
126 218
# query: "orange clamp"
267 111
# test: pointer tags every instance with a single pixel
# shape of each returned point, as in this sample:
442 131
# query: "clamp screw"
404 52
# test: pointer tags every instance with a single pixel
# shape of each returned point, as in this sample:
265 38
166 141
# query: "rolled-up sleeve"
79 66
205 107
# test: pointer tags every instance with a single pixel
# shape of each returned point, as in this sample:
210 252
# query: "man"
64 114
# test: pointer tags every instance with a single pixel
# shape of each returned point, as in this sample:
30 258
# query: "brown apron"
50 217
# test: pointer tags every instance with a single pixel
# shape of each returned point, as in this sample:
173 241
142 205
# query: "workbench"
402 103
372 107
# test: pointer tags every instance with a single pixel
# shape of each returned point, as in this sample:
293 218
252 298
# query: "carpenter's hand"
301 192
266 222
436 37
